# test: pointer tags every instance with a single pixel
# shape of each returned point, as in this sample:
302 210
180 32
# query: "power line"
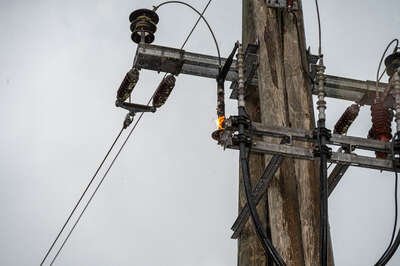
319 29
113 161
98 185
195 25
81 197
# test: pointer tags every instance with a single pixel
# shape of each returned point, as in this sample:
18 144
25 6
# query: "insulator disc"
143 21
347 119
144 12
164 90
381 124
128 84
392 63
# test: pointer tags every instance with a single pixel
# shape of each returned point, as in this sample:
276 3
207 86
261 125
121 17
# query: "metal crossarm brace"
305 153
336 175
177 61
258 192
262 185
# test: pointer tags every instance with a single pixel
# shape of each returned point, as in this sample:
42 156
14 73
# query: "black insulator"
346 119
164 90
143 23
216 135
381 124
128 84
392 63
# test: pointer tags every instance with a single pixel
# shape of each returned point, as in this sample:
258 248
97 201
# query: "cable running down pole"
244 147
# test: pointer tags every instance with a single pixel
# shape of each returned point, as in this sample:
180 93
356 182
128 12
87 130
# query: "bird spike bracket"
283 4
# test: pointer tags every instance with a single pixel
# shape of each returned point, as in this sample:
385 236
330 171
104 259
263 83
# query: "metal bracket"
282 4
176 61
257 193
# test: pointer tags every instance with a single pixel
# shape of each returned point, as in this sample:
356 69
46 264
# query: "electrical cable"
319 30
387 254
202 17
98 185
378 76
81 197
269 249
195 25
110 166
305 68
323 165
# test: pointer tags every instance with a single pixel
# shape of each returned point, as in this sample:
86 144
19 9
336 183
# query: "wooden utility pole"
283 98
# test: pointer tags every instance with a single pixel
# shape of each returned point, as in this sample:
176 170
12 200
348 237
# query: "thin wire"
114 159
202 17
80 199
195 25
319 30
305 68
378 78
98 185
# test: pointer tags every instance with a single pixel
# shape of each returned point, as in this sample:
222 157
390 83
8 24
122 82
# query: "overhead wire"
114 159
319 30
378 75
202 17
98 186
81 197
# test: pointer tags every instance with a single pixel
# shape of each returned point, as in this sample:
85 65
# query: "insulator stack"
164 90
220 100
392 63
143 24
381 124
127 85
346 119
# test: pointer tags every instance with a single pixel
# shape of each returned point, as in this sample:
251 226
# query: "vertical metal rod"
240 59
321 104
323 151
142 36
395 83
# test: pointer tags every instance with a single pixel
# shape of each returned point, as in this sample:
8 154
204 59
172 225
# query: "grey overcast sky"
172 195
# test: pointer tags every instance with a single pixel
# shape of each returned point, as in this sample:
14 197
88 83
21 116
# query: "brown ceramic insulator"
164 90
381 124
346 119
128 84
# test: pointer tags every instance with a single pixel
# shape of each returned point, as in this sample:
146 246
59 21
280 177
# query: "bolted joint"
234 121
128 120
322 132
321 135
396 151
242 138
323 150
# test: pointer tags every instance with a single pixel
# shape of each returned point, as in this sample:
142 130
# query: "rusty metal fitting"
163 91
